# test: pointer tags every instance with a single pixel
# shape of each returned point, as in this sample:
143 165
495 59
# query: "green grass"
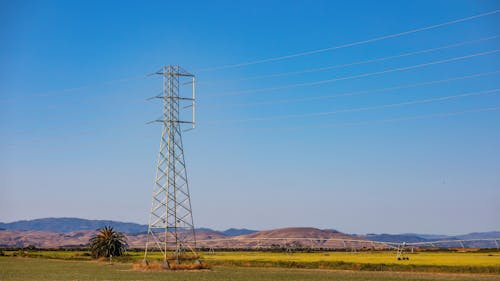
457 262
20 269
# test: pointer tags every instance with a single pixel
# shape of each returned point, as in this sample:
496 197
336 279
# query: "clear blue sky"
73 140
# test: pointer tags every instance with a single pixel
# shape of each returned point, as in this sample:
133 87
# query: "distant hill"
66 229
237 231
298 232
479 235
77 224
394 238
300 237
74 232
429 237
72 224
415 238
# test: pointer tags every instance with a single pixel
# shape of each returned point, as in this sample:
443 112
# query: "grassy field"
389 258
457 262
21 269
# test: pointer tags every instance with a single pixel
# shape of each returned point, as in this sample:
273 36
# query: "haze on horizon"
73 139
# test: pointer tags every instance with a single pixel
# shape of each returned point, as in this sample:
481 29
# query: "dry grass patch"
153 266
172 265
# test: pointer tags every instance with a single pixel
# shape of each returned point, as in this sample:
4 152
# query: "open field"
20 269
388 258
452 262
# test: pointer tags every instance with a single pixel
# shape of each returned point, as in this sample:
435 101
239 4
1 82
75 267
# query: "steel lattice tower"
171 227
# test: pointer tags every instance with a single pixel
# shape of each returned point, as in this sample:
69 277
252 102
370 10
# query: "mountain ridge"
71 224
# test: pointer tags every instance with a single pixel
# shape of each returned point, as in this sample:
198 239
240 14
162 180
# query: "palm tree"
108 243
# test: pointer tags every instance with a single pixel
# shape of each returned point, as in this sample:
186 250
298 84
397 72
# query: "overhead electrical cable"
368 91
320 82
69 90
380 38
391 120
337 66
317 114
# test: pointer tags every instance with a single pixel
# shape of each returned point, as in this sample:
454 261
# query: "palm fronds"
108 242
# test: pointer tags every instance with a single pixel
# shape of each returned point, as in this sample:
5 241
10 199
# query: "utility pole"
171 226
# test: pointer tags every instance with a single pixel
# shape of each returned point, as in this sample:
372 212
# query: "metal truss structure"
171 227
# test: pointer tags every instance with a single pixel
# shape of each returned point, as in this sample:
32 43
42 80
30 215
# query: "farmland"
484 262
20 269
368 261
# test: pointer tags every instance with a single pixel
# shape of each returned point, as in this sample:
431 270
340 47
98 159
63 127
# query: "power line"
68 90
348 44
399 87
390 120
317 114
282 57
282 74
346 124
359 75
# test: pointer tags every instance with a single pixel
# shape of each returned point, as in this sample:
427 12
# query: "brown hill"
139 240
296 237
50 239
44 239
298 232
303 237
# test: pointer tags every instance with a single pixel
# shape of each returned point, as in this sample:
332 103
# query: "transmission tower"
171 227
